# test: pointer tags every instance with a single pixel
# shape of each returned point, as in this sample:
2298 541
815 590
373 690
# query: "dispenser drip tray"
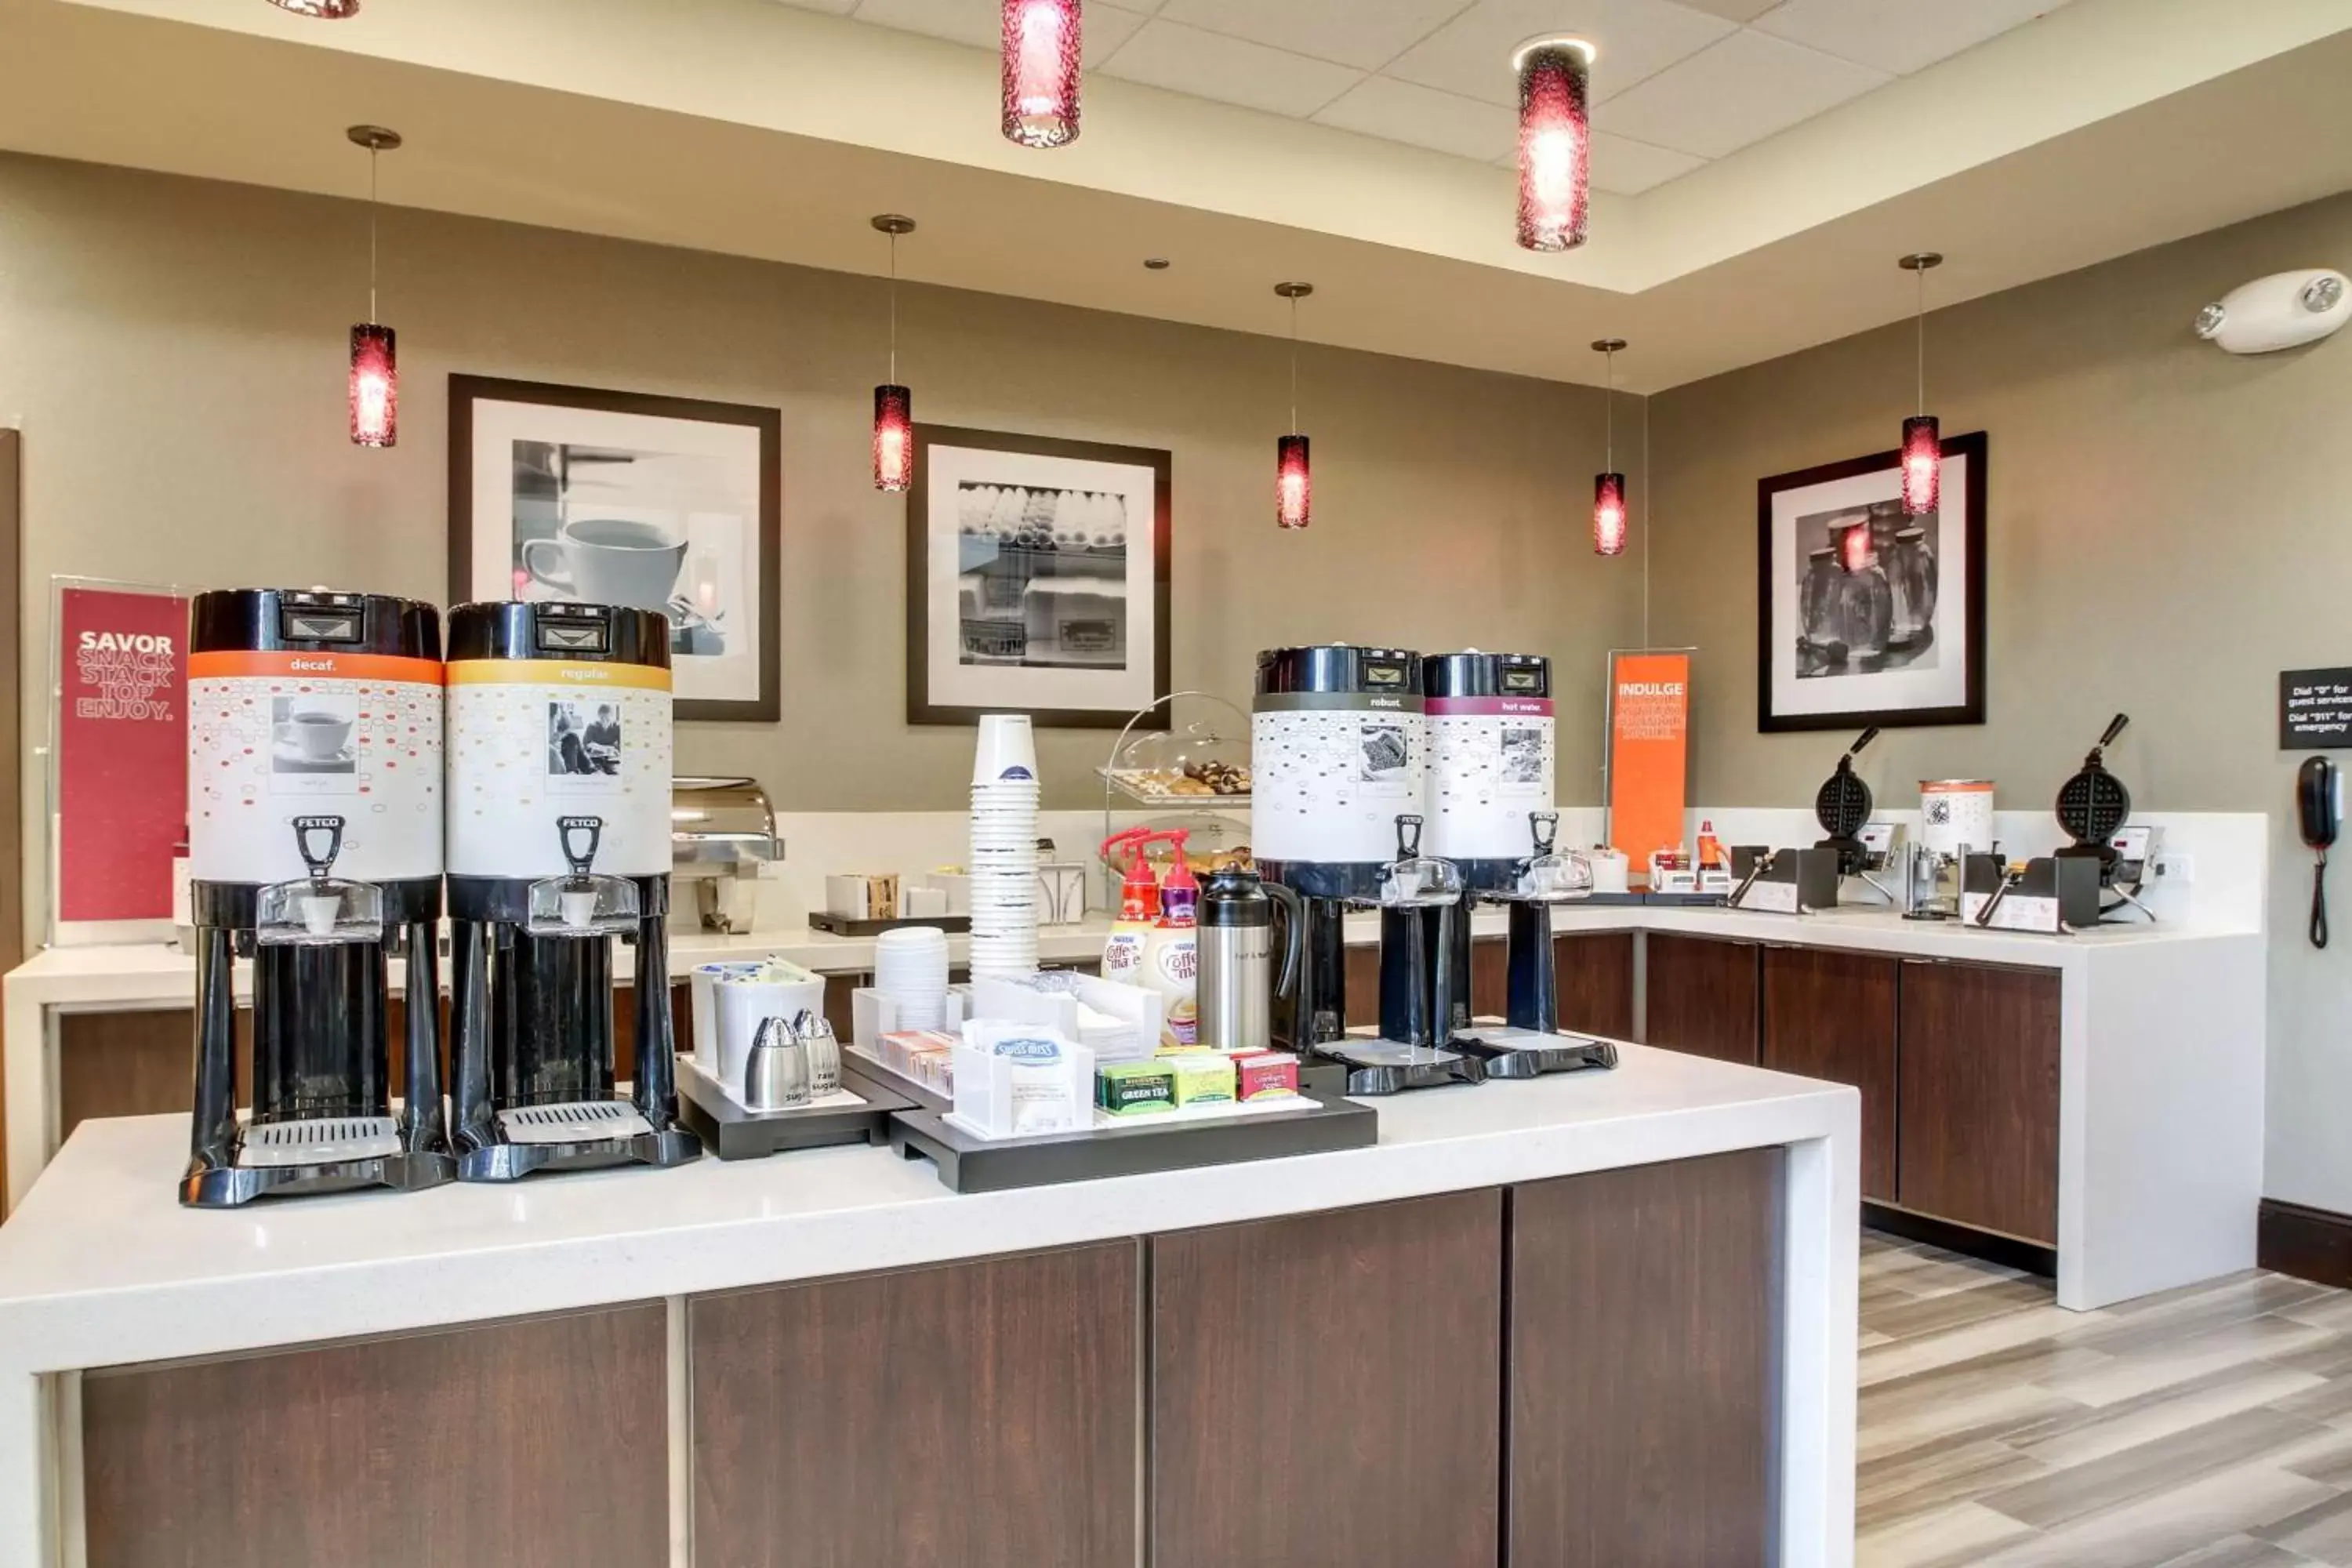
325 1141
1392 1067
1510 1052
581 1121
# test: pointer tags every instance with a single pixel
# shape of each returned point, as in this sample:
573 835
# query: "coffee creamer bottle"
1172 953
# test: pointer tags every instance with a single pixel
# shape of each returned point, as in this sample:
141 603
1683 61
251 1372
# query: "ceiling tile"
1637 38
1738 91
1349 31
1231 70
1626 167
1734 10
1898 36
1443 121
980 23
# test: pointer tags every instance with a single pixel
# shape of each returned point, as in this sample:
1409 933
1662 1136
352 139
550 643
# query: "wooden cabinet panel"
1596 983
1831 1015
1700 997
536 1444
1327 1388
1978 1057
1644 1404
978 1414
1360 972
1490 977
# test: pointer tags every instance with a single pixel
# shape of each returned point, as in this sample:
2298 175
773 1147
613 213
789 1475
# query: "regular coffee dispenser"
559 832
314 850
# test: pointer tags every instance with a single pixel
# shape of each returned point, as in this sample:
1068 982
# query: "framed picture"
618 497
1864 615
1036 579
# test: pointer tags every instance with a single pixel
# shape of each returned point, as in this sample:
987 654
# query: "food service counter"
1495 1329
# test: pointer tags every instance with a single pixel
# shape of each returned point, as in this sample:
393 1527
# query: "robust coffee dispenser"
314 850
558 813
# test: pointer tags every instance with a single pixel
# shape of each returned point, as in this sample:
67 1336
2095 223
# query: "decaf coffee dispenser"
559 813
314 849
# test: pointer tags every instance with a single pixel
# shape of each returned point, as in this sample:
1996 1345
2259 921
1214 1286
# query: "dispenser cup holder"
321 909
583 904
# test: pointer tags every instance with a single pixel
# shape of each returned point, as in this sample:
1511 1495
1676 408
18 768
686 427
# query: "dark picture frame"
468 392
1780 496
926 707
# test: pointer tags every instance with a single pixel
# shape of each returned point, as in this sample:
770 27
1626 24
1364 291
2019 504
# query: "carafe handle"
1293 910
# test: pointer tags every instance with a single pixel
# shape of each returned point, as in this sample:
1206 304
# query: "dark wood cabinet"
1831 1015
1700 997
1596 983
1644 1408
537 1444
1978 1121
1327 1389
976 1413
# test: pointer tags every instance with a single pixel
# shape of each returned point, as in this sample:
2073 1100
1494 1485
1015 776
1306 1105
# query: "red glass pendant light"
1294 479
1608 487
374 392
330 10
894 406
1555 141
1040 69
1923 443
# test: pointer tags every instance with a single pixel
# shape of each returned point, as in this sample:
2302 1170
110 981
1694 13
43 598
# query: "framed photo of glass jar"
1866 616
1037 580
621 497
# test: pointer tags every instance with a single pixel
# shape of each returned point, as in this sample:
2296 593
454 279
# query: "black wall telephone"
2319 813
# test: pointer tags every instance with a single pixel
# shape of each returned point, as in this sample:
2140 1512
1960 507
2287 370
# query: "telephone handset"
2319 813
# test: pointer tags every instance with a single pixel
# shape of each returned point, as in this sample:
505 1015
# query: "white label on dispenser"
1328 783
273 736
532 741
1491 764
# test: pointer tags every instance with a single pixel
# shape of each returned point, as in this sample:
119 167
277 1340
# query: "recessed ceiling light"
1156 263
332 10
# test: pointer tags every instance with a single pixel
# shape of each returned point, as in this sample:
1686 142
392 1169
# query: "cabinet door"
1327 1389
1596 983
1831 1015
1979 1061
1645 1306
976 1413
1700 997
1490 977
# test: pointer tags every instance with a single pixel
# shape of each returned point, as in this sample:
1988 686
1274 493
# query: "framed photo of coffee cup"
1037 580
621 497
1866 616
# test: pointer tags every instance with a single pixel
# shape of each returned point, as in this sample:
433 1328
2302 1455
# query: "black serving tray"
731 1132
842 925
969 1164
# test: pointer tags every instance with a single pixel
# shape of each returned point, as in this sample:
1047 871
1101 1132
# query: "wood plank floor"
2208 1427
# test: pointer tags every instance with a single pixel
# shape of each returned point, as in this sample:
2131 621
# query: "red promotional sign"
122 751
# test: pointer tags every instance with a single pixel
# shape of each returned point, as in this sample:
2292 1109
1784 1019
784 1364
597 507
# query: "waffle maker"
2093 806
1842 806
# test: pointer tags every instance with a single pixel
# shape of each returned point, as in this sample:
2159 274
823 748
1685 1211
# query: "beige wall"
2169 527
174 350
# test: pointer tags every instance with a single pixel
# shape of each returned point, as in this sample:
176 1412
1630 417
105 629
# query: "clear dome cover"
582 905
315 911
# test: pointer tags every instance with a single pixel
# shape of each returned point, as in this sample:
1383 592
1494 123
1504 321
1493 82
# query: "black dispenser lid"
1339 668
1476 674
612 633
312 620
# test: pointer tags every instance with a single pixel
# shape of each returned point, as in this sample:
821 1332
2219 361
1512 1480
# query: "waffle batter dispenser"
314 849
559 813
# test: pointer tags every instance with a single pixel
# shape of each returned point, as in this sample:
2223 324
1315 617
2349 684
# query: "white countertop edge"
914 1226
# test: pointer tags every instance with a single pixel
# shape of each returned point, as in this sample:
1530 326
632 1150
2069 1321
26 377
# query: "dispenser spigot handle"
583 860
321 862
1408 836
1545 827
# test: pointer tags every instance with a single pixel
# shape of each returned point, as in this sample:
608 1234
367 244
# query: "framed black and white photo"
1866 616
620 498
1036 579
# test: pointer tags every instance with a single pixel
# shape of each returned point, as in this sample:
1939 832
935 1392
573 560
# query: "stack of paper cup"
1005 848
910 968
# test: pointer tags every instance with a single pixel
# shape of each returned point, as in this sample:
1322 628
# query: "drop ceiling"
1763 166
1676 85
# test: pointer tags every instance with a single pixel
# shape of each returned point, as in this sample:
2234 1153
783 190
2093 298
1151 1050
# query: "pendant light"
1555 141
375 368
1923 441
1609 486
894 406
328 10
1039 64
1294 482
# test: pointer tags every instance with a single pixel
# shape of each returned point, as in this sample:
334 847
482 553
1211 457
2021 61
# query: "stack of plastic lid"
910 968
1005 848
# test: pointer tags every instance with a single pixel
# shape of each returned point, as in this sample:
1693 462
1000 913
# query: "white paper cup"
1007 749
703 982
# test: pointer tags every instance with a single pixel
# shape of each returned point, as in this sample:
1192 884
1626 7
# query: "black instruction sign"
2314 710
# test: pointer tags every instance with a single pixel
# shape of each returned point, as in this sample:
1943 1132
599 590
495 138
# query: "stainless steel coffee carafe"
1237 984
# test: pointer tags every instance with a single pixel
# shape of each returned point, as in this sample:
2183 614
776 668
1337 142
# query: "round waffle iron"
2094 803
1843 803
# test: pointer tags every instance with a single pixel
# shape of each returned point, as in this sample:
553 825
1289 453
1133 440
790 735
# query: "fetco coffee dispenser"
314 849
559 796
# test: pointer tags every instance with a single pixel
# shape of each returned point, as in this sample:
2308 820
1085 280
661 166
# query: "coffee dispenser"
314 850
1529 1044
559 818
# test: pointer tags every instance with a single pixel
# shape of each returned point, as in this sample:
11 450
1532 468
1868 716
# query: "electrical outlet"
2181 870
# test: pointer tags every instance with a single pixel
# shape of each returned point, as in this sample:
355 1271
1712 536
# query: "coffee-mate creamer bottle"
1172 955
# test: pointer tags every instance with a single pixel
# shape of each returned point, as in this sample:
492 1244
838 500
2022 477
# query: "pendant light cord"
372 153
1922 340
894 309
1294 364
1609 412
